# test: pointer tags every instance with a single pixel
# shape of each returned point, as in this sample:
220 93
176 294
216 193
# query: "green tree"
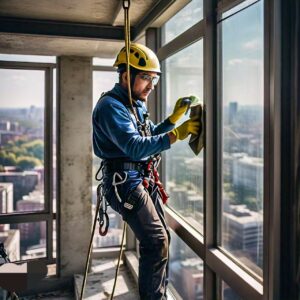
7 158
27 162
35 148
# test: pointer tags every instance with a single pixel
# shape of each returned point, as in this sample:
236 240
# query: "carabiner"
103 222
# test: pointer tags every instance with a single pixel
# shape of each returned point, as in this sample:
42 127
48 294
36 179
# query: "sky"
242 46
21 88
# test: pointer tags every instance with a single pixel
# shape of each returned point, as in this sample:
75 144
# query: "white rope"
116 183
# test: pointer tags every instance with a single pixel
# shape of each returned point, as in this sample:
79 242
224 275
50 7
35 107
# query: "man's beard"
137 97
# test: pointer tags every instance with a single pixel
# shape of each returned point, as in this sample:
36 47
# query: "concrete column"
75 162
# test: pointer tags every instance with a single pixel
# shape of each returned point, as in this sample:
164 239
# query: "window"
220 193
28 58
22 140
184 19
103 81
228 293
242 135
185 270
28 158
184 171
103 61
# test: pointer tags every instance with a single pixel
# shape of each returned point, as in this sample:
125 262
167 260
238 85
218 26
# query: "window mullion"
210 151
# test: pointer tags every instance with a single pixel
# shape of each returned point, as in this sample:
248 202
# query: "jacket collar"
122 92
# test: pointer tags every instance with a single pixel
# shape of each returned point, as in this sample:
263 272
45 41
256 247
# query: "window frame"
47 213
217 263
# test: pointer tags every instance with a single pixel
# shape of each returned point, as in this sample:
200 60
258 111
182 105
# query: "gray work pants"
147 221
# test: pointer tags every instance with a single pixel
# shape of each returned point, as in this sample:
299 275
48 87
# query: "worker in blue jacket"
126 140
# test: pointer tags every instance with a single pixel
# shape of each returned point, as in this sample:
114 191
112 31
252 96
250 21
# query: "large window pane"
54 145
186 270
103 82
28 58
183 20
22 97
103 62
184 170
242 135
24 241
229 293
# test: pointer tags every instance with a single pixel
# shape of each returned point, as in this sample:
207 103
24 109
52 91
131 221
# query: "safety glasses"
153 79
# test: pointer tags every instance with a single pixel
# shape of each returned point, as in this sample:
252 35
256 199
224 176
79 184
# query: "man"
125 145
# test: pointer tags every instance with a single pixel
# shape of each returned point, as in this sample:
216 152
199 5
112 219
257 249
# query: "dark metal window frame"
47 214
219 265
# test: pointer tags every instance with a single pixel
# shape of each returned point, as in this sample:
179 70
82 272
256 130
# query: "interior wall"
75 164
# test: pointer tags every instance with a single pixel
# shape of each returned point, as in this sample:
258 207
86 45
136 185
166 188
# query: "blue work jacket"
115 132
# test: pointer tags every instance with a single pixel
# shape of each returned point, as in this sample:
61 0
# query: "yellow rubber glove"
192 125
181 107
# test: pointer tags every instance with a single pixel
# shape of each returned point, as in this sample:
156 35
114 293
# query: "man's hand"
191 126
181 107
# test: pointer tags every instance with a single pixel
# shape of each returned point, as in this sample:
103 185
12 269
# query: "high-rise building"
244 229
23 183
6 197
232 112
32 232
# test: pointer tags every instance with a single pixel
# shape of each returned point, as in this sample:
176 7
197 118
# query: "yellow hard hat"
140 57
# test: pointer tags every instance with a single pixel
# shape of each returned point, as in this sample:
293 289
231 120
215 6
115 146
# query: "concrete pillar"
75 162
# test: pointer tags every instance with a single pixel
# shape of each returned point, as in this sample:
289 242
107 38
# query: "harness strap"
115 166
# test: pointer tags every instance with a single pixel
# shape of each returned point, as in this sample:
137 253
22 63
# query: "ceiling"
77 27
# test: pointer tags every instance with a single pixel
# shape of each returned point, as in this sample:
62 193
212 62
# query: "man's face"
143 85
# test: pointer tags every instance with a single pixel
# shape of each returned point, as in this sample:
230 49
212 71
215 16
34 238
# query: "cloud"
252 45
244 61
235 61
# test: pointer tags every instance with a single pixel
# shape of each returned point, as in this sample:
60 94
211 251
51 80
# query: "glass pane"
237 8
183 20
54 183
54 235
229 293
103 82
24 240
22 98
28 58
185 270
103 61
242 131
184 170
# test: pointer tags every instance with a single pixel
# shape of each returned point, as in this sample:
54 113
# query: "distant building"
9 126
7 136
11 241
23 183
6 198
6 202
113 238
33 231
5 125
243 232
232 113
248 172
187 276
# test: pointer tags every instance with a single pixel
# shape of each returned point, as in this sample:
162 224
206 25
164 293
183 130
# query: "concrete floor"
100 282
57 295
